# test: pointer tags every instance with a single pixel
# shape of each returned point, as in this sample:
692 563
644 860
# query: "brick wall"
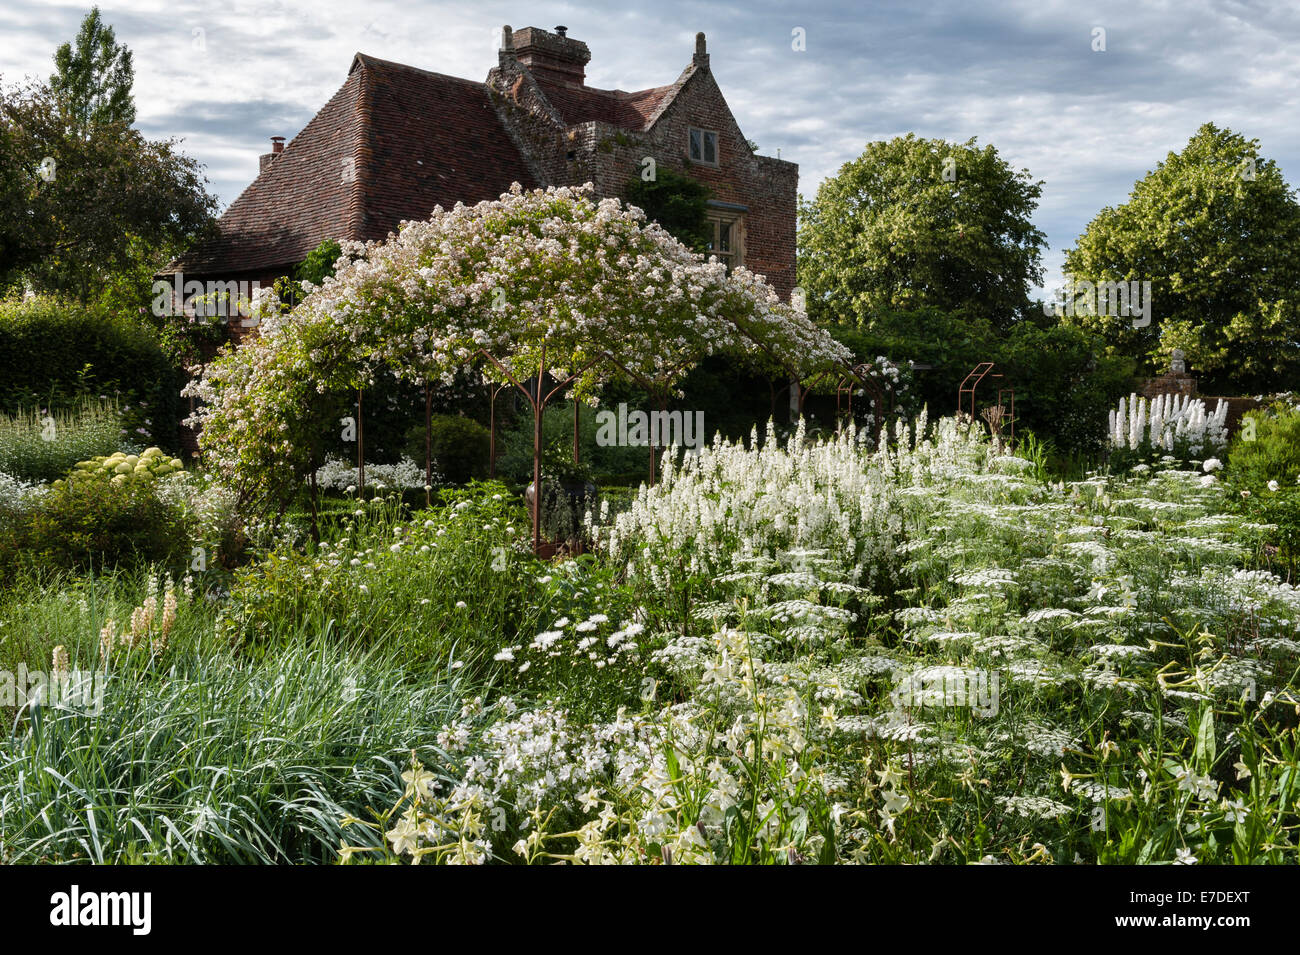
1186 385
610 156
1170 384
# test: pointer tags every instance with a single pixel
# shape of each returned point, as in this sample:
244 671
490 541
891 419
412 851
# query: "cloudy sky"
1020 74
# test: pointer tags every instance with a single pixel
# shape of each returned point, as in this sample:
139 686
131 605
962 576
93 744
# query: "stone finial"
1178 362
701 51
507 38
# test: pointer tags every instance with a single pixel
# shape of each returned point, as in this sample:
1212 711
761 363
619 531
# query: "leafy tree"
921 222
319 263
89 204
1064 381
93 80
678 203
1216 230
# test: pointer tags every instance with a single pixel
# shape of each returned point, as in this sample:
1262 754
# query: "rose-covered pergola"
548 291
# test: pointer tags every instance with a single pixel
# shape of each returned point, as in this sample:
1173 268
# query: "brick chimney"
277 147
552 56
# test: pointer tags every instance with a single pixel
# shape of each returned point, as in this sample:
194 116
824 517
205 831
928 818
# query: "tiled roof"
582 105
392 143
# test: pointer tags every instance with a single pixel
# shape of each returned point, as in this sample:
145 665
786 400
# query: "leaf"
1205 746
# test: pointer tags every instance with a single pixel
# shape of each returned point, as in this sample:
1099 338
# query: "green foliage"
1065 382
731 396
88 205
460 446
94 80
677 202
43 447
889 231
92 524
406 598
318 266
516 460
1216 230
1266 448
1272 455
218 760
71 351
319 263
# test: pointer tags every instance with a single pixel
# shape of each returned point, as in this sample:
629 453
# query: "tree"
1216 230
678 203
93 81
548 291
90 203
921 222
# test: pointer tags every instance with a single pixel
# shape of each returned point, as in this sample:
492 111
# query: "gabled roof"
633 111
391 144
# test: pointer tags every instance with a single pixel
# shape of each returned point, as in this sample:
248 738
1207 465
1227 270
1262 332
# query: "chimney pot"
277 144
561 31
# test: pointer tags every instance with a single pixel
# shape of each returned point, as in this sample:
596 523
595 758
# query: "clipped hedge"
460 447
54 352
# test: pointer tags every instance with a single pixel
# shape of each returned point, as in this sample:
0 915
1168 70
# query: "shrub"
70 351
44 446
516 460
92 524
210 513
386 581
1269 452
1064 382
460 447
121 467
338 475
1263 469
17 495
1063 379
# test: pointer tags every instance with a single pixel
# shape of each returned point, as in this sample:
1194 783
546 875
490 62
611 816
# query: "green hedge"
55 353
91 525
460 446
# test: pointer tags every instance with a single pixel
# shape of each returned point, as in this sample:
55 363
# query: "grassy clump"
42 446
214 759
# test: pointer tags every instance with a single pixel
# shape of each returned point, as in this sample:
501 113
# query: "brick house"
395 141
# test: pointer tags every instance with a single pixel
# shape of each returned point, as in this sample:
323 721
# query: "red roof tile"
584 104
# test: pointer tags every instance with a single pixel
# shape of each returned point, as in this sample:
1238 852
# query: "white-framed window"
702 146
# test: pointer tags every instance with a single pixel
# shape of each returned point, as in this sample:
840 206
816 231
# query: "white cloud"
1019 74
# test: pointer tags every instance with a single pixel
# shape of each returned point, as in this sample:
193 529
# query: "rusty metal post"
537 454
361 448
428 444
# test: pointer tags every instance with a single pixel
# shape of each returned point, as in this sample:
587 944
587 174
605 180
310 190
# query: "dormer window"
703 146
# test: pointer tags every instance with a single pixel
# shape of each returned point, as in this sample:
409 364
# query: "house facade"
395 141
